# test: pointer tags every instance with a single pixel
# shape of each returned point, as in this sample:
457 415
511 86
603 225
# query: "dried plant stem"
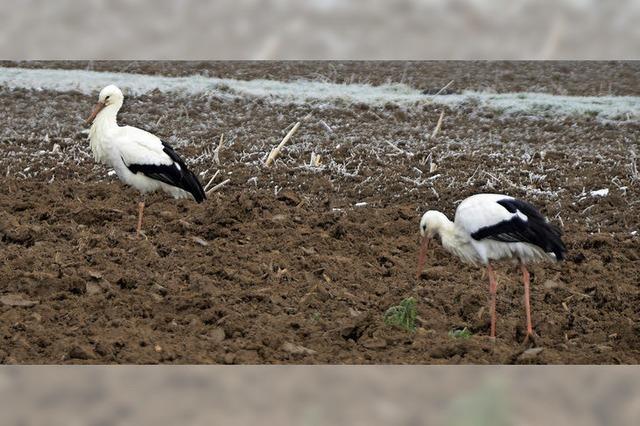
444 88
216 153
218 186
315 160
326 126
211 180
438 126
398 149
276 151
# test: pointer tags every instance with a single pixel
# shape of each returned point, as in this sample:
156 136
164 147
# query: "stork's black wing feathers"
176 174
535 230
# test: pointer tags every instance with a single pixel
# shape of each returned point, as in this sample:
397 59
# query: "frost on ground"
366 148
620 108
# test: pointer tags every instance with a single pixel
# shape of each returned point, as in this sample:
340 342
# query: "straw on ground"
276 151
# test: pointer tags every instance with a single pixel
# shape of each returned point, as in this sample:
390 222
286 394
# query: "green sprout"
460 334
402 315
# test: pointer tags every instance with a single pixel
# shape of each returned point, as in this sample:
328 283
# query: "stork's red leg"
527 305
140 212
493 286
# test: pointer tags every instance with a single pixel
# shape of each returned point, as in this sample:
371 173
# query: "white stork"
490 227
139 158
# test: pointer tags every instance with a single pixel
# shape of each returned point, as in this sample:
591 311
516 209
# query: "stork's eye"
424 227
107 98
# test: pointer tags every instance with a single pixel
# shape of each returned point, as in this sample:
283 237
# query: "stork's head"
110 95
430 226
431 223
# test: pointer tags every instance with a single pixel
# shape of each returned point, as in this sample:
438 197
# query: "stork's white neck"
452 240
107 117
441 226
104 124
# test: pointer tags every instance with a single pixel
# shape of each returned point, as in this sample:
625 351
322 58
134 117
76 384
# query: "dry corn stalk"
211 180
216 153
218 186
276 151
315 160
437 129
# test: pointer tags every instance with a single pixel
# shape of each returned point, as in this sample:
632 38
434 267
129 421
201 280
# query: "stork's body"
139 158
491 227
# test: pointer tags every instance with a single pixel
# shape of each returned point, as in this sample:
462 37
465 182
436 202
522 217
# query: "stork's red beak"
96 110
424 245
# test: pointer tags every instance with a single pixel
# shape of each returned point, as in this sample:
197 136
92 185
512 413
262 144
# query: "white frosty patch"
304 91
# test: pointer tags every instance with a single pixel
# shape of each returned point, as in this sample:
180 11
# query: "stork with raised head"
491 227
139 158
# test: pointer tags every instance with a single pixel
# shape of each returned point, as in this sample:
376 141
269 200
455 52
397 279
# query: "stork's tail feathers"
537 229
188 181
554 241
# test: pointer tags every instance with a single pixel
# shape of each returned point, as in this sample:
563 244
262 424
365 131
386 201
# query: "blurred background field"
382 395
322 29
